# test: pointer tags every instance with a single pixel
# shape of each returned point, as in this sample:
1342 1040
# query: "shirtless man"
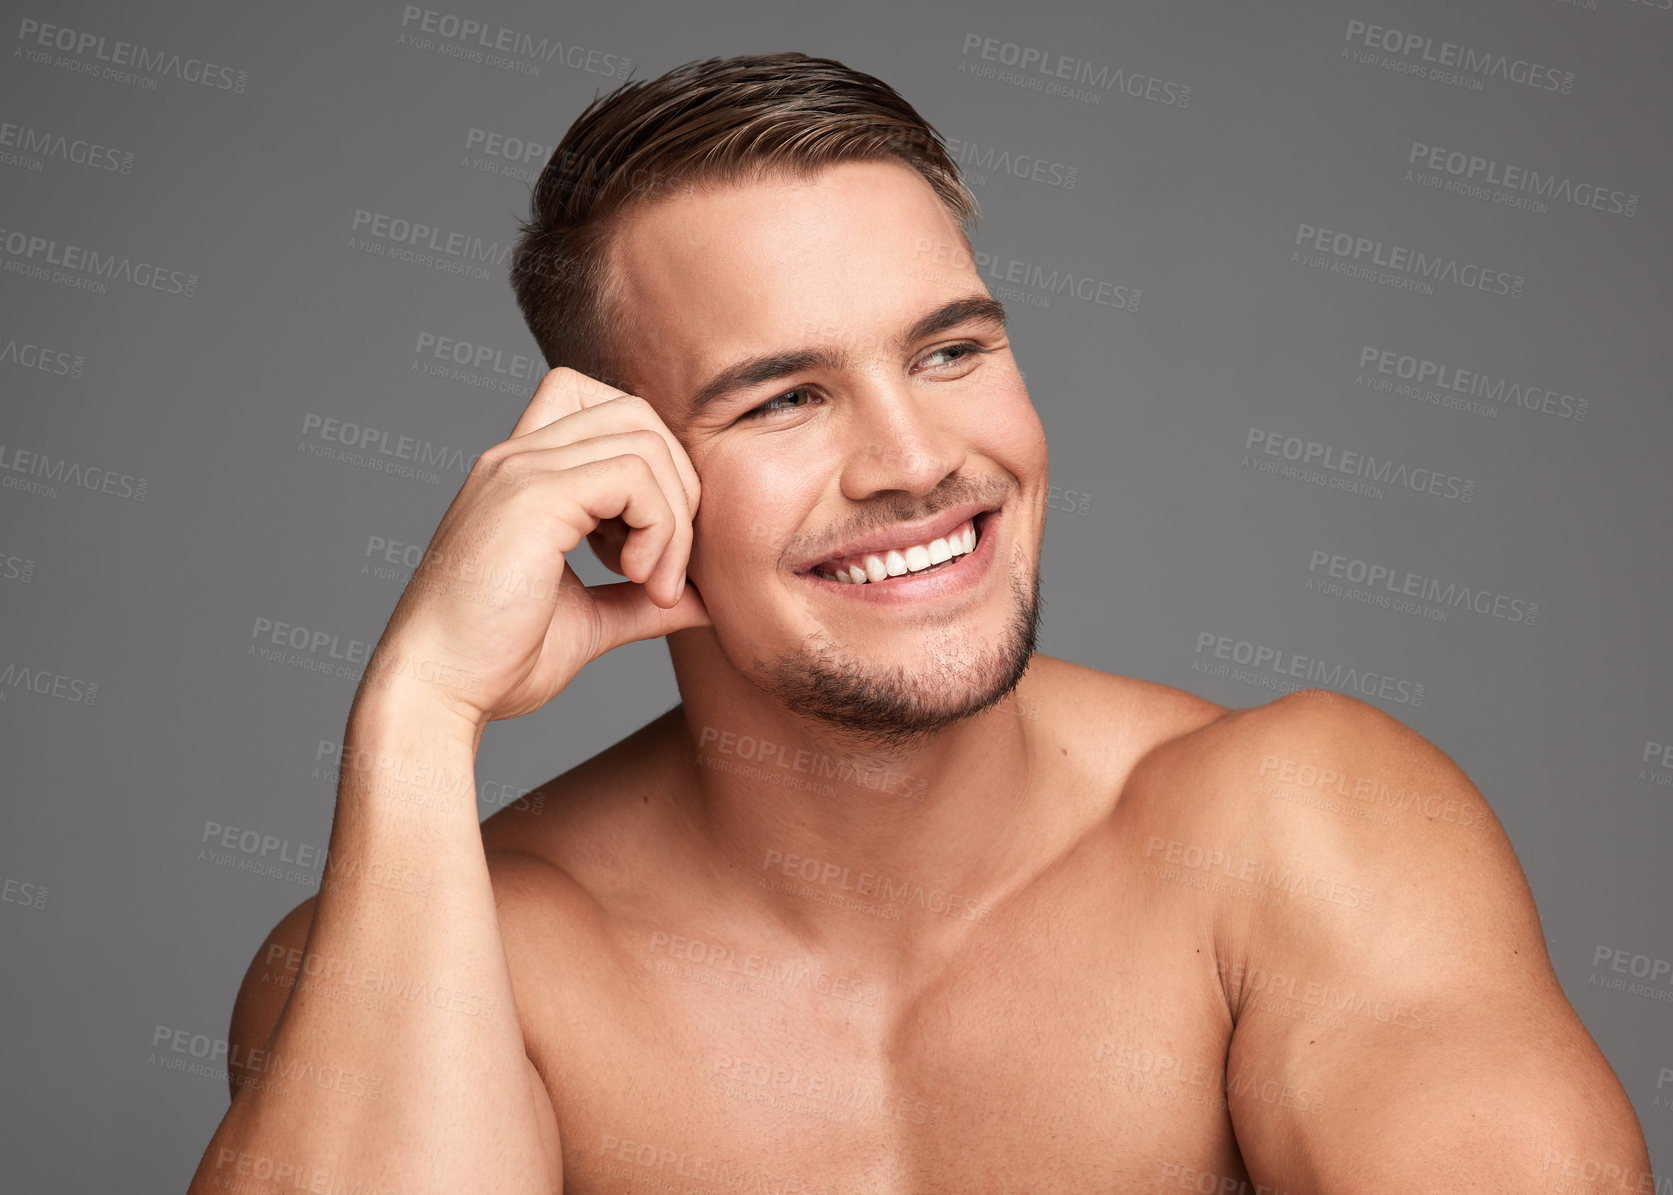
888 903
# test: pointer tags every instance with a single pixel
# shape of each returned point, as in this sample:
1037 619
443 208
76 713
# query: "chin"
890 705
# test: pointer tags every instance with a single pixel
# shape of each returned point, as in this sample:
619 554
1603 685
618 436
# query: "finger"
623 412
606 541
563 391
626 614
668 561
588 491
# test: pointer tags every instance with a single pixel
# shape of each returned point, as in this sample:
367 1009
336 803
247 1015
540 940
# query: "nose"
901 441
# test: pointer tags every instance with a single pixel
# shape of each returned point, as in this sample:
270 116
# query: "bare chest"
1073 1040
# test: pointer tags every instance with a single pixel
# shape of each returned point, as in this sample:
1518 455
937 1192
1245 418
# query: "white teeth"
898 562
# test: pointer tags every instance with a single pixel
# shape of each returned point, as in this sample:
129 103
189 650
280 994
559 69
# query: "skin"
701 953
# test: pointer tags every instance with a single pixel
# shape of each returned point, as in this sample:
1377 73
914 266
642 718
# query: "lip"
903 535
962 574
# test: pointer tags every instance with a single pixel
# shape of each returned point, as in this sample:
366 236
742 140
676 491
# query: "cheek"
1013 433
742 523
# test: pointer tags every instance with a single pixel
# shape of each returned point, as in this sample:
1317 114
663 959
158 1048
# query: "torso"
1074 1040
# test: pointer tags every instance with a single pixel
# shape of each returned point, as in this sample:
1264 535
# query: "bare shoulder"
272 973
1335 775
1124 719
1323 770
1371 916
594 816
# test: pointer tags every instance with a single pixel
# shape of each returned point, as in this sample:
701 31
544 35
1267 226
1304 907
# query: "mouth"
957 552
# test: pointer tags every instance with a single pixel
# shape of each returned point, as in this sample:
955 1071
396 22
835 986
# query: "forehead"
853 252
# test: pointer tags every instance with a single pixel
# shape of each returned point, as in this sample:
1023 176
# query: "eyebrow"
752 371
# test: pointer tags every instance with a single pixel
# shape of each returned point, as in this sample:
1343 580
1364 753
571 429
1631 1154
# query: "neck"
850 840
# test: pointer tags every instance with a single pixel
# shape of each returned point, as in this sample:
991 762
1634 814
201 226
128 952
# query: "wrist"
416 688
411 711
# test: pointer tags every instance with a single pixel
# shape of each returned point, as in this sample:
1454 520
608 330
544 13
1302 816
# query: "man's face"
876 416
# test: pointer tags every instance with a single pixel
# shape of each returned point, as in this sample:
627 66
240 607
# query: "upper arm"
1399 1026
280 964
267 985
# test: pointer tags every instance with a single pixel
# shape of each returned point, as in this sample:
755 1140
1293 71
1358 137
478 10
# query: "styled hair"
711 122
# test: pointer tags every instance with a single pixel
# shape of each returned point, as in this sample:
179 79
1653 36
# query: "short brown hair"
714 121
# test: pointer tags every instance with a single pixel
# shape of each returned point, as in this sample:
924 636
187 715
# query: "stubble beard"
888 709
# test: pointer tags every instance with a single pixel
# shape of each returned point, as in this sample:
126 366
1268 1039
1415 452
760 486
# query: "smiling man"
889 902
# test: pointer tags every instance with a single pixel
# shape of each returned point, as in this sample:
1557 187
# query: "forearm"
398 1063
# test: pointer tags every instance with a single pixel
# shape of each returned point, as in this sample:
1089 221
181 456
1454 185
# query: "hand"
493 622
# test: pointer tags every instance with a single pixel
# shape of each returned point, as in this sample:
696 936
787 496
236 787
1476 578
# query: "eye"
964 352
767 408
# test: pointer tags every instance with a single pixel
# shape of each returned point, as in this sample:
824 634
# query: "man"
888 902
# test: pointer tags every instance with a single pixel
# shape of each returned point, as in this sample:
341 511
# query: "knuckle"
489 460
648 440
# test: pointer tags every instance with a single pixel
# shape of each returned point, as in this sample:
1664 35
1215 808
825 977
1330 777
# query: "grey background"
1168 534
